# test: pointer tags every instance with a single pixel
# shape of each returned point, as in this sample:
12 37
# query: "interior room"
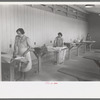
60 42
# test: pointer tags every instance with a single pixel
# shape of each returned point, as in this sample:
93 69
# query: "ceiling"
94 9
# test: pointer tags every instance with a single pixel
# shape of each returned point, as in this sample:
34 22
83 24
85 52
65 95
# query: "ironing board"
6 59
90 43
70 46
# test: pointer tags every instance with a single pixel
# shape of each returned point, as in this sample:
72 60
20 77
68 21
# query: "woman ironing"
22 48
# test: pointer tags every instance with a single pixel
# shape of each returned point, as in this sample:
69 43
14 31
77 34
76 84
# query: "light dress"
21 45
60 50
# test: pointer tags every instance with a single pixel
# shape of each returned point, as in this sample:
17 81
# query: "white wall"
41 26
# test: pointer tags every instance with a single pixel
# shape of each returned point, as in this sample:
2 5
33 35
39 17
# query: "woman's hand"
30 49
14 56
23 54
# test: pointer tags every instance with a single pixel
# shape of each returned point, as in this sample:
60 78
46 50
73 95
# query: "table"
39 53
90 43
5 58
78 44
70 46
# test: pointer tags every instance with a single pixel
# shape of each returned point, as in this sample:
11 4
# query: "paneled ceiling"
64 10
74 11
94 9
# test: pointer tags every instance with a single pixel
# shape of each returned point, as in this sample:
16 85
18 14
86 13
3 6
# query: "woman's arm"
62 42
54 44
29 47
15 48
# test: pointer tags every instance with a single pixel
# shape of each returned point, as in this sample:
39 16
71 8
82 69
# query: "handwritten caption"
51 83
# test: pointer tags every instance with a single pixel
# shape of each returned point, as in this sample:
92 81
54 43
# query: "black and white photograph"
50 42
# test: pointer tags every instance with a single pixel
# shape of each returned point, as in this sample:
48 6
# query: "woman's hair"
60 33
21 30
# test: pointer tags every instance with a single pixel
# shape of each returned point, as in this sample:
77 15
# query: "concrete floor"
49 69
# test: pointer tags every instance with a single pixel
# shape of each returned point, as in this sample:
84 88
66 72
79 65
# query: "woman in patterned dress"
22 48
